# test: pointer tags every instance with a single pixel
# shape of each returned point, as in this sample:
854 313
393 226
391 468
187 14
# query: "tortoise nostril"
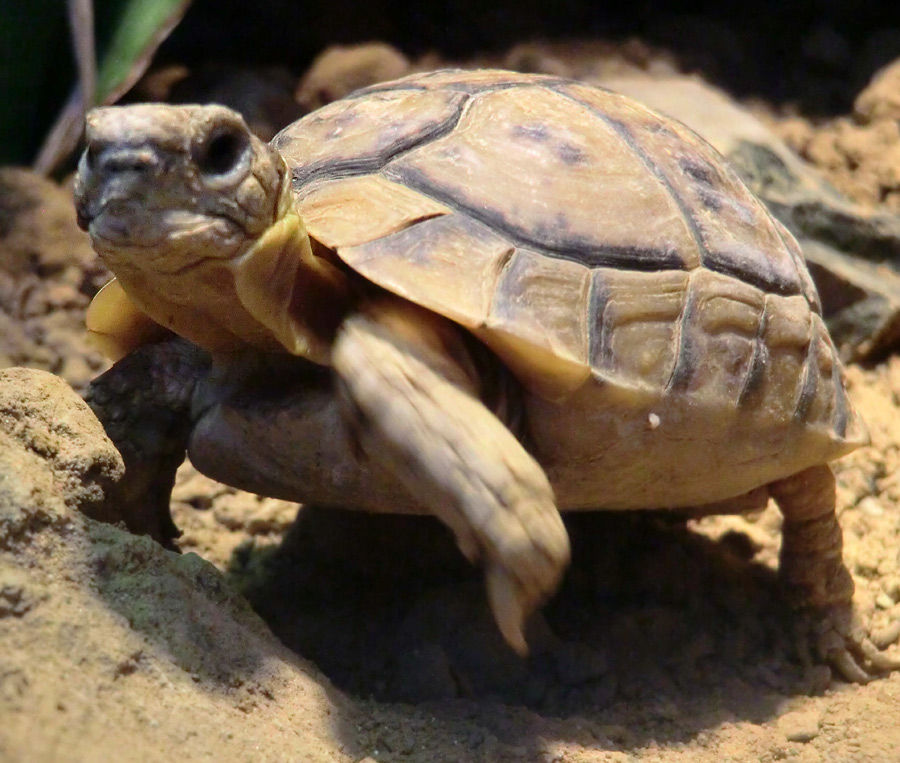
121 160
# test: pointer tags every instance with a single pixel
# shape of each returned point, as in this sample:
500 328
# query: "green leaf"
128 34
37 66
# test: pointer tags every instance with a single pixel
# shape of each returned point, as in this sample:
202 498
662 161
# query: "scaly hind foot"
818 585
838 638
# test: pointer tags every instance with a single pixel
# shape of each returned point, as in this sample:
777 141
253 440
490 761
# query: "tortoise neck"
298 297
285 204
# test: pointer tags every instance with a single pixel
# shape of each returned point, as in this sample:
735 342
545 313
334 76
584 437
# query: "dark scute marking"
810 381
539 132
748 269
688 359
570 154
641 259
645 259
705 177
759 361
383 87
660 128
475 88
624 132
536 131
807 287
554 231
367 165
751 270
598 298
698 170
841 405
505 263
710 199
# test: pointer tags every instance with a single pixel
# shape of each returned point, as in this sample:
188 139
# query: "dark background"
782 51
814 55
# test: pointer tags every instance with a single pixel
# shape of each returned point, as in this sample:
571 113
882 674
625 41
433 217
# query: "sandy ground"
368 637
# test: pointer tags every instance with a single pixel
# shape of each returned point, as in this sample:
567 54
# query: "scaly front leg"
411 400
144 404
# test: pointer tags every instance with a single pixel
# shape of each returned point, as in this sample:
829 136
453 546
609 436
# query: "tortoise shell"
607 254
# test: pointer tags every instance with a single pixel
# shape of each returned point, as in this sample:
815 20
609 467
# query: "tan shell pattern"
583 237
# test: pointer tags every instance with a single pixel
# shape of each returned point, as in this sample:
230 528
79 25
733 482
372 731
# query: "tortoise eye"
222 151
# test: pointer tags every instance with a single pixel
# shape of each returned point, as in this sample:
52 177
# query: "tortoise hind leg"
815 579
410 395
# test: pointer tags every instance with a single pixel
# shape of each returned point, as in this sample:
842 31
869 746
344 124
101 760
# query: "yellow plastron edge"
278 281
115 326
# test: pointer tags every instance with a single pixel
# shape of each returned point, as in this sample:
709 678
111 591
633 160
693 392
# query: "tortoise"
482 295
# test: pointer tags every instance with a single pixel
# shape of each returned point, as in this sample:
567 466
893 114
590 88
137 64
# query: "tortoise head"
173 185
195 217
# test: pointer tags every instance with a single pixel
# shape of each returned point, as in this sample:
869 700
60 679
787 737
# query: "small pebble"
870 505
800 725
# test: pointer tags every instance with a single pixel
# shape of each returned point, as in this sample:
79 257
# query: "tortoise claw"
510 607
838 638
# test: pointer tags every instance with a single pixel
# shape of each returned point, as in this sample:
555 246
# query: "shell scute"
380 208
736 234
546 172
636 324
354 136
556 360
719 334
451 261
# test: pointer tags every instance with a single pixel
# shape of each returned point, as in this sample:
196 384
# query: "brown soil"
666 643
859 153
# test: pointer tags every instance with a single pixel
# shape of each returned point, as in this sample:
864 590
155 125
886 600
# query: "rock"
881 98
341 69
536 58
54 455
853 251
583 59
136 643
860 300
800 725
114 647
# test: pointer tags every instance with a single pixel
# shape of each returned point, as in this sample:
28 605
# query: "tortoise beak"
114 164
113 148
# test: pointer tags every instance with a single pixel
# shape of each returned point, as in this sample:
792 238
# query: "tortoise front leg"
811 567
144 404
411 400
